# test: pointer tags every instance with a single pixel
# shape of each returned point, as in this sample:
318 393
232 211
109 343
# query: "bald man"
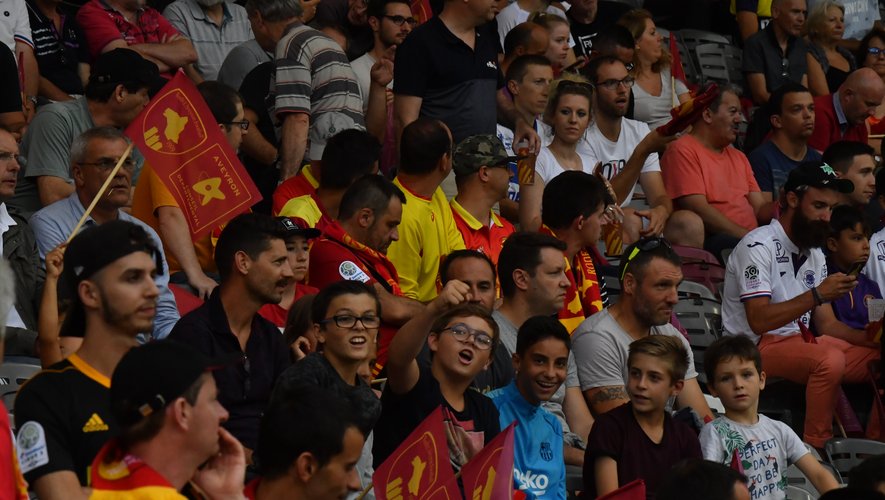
841 116
525 38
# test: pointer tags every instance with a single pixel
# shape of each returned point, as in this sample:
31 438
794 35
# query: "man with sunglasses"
93 155
650 272
777 284
842 115
776 55
253 263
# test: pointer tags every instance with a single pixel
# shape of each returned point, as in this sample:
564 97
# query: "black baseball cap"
816 174
126 66
150 377
293 227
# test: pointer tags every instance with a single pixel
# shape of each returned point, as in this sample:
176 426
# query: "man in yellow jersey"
63 413
427 232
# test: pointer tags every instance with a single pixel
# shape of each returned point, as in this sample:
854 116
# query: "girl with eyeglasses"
828 62
568 115
871 54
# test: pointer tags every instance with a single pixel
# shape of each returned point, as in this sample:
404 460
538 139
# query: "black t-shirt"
63 419
402 413
607 14
316 370
10 93
254 91
457 84
59 53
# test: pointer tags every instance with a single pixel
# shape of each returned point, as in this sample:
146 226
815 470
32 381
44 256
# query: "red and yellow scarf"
584 296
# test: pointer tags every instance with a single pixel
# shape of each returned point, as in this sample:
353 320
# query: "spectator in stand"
354 246
534 283
12 117
871 54
875 268
572 211
12 482
190 262
94 154
765 305
482 173
427 232
351 18
297 247
121 24
751 16
655 91
519 11
791 108
461 338
63 414
861 16
541 362
776 55
214 27
15 33
350 155
117 92
639 439
315 464
856 162
528 80
308 66
525 39
829 63
588 18
259 150
254 268
20 250
843 114
847 247
165 402
696 479
559 50
60 48
650 274
241 60
347 315
704 173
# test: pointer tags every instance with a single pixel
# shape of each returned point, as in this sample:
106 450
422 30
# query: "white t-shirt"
766 263
654 110
512 15
547 167
601 347
614 155
15 25
362 67
875 268
765 449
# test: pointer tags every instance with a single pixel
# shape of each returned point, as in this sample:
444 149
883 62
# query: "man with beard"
63 413
704 173
792 121
214 27
93 154
354 247
122 24
253 264
776 283
650 272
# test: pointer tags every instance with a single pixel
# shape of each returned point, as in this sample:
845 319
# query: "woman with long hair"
828 62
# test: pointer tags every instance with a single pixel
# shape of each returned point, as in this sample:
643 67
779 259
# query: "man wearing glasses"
650 273
93 155
776 55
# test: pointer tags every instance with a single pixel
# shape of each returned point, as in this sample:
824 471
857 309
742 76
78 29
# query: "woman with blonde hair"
655 91
828 62
559 50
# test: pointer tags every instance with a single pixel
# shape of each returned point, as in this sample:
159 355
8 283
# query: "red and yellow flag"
634 490
181 141
489 474
419 468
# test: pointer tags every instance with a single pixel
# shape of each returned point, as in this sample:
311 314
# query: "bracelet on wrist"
818 300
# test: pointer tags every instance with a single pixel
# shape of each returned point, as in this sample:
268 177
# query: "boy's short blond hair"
665 347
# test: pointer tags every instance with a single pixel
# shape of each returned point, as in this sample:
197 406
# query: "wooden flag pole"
101 192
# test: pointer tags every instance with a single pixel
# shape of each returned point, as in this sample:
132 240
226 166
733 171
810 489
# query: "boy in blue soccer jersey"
540 362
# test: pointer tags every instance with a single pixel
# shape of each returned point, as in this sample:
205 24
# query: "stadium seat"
845 453
692 254
690 289
12 376
702 319
709 275
711 63
795 493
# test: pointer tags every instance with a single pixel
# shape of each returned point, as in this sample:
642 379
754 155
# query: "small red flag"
489 474
736 461
421 10
182 143
419 468
676 69
634 490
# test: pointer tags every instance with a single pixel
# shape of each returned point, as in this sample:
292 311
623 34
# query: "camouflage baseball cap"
477 151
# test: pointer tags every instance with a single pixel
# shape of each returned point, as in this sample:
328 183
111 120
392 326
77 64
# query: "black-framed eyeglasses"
109 163
349 321
243 124
481 340
399 20
6 156
613 84
643 245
